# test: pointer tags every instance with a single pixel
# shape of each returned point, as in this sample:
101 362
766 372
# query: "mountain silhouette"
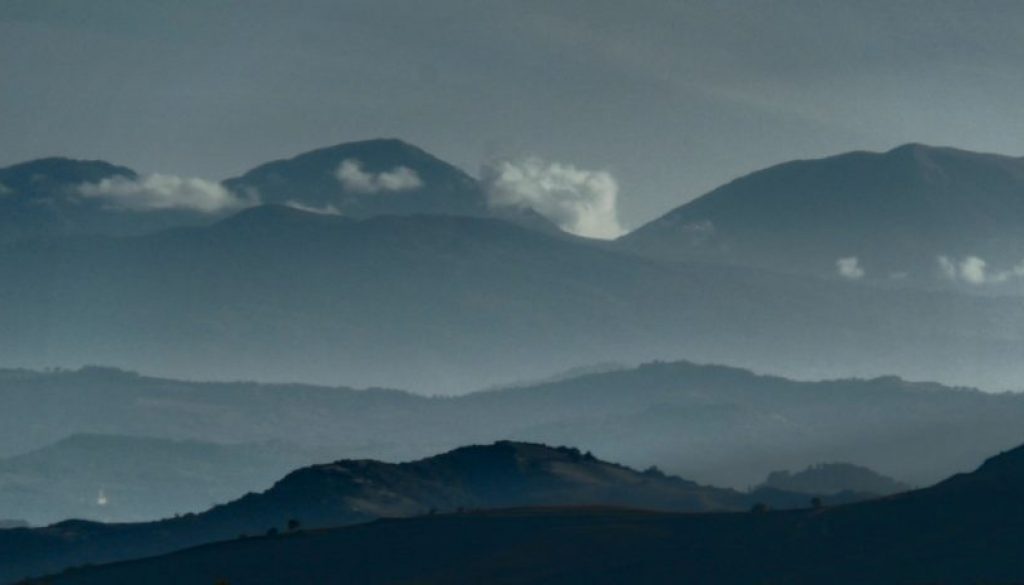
896 212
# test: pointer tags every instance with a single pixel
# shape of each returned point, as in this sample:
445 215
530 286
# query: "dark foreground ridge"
504 474
964 530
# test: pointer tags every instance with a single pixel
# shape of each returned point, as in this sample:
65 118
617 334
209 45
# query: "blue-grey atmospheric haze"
672 98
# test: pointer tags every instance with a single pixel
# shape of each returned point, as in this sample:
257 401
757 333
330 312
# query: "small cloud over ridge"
156 192
352 176
325 210
850 268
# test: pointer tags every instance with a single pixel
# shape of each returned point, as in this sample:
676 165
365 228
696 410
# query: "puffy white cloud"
850 268
163 192
352 176
974 270
579 201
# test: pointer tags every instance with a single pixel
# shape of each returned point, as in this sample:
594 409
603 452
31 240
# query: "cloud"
850 268
974 270
579 201
352 176
325 210
164 192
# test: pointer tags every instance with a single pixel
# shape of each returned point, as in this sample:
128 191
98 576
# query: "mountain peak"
31 176
887 216
383 176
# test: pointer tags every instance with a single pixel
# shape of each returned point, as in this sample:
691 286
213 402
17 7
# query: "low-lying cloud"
975 271
578 201
157 192
325 210
850 268
352 176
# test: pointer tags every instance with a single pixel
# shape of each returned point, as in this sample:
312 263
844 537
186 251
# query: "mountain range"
381 276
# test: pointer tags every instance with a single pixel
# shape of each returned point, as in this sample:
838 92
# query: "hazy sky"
672 98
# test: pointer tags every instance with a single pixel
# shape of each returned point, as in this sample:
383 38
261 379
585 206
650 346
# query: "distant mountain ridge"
333 299
896 212
714 424
834 478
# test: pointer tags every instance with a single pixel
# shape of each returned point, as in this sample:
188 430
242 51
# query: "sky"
671 99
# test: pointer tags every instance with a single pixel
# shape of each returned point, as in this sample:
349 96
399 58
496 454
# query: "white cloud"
974 270
850 268
352 176
325 210
579 201
162 192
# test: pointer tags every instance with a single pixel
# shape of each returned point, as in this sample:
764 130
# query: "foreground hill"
963 530
346 492
446 304
897 212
